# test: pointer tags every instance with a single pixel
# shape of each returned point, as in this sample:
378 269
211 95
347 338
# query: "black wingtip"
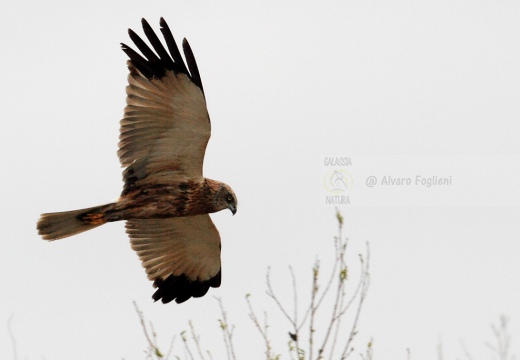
155 64
145 24
192 64
180 288
162 22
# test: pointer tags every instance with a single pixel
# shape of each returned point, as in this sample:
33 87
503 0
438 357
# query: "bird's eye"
229 198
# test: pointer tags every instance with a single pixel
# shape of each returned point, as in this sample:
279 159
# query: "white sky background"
286 85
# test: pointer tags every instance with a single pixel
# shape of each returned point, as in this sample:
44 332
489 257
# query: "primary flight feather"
165 199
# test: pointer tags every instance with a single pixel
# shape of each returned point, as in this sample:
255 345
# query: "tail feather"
59 225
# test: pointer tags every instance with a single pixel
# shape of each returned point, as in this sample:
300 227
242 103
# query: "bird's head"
225 198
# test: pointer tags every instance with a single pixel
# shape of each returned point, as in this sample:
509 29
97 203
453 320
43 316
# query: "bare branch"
440 352
369 355
261 328
270 293
186 345
465 350
340 249
502 339
340 291
313 307
11 335
196 340
227 331
152 341
339 308
170 349
364 290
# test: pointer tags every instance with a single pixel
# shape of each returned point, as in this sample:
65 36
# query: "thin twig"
143 324
270 293
261 329
11 335
296 334
362 296
341 293
170 349
196 340
295 337
339 260
440 352
369 351
340 306
314 291
154 349
337 246
223 325
227 331
502 339
465 350
186 345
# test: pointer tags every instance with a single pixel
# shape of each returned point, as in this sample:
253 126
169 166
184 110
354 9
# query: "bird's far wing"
181 255
166 125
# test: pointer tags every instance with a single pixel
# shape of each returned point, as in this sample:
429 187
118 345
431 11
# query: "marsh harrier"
165 199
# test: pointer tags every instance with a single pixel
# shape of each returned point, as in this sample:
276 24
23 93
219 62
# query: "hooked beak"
232 208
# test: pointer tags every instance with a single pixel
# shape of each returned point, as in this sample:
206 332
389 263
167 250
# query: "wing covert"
181 255
166 125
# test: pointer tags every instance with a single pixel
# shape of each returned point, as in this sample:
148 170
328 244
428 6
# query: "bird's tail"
55 226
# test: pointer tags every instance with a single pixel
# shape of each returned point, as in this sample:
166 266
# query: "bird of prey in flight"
165 199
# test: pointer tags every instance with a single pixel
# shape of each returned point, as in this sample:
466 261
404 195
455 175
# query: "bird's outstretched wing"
166 125
181 255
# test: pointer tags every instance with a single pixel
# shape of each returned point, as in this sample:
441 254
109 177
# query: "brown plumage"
165 199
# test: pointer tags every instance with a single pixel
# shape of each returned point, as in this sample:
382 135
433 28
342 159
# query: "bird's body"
166 199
